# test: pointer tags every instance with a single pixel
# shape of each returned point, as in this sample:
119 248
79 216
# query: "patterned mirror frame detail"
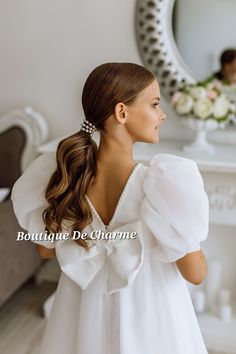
157 46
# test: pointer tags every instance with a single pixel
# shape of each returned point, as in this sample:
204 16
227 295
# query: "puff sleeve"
28 196
175 207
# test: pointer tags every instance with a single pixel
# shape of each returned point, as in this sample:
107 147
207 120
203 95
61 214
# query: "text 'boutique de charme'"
60 236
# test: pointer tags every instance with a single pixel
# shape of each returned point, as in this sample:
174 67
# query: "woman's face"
231 72
145 115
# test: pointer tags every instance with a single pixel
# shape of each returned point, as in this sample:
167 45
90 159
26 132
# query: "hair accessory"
88 127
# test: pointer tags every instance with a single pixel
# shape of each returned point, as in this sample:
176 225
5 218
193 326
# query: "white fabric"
175 205
125 296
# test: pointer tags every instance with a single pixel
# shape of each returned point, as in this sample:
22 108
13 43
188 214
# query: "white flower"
221 107
211 94
217 84
184 104
198 92
203 108
175 97
232 107
210 86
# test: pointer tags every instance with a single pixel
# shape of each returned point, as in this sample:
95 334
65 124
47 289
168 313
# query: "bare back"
107 189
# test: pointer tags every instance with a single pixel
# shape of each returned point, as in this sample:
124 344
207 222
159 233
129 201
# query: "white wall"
48 48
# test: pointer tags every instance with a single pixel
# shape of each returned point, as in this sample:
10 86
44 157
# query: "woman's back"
105 192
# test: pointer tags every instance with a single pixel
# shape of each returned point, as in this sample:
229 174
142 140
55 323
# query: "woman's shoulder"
27 194
169 158
175 206
174 166
173 178
36 173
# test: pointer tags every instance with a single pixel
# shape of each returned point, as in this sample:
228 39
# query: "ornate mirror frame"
157 45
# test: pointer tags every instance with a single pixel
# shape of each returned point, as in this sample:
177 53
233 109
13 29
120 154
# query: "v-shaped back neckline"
120 200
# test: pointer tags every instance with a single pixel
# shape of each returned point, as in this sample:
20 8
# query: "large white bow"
124 257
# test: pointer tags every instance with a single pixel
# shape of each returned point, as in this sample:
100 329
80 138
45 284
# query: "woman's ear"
120 112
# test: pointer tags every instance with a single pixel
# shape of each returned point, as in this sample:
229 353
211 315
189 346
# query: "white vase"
201 127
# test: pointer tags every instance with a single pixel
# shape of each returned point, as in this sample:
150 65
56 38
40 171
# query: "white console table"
219 174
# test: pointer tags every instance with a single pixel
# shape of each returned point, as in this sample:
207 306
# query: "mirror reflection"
205 42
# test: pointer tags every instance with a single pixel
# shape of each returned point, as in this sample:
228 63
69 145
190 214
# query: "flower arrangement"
203 100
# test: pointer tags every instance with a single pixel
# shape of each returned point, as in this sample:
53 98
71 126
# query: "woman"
118 295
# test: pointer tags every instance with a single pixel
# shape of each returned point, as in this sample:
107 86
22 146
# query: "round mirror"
181 41
200 33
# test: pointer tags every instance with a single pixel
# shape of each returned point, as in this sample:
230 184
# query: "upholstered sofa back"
12 143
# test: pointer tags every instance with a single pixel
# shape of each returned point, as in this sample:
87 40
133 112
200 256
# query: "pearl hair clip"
88 127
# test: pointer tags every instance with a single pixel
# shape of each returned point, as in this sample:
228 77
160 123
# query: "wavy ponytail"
76 168
76 155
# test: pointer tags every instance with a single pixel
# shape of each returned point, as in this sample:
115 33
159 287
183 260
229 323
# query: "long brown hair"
76 155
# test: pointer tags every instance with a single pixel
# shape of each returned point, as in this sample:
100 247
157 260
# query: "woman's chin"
155 139
151 139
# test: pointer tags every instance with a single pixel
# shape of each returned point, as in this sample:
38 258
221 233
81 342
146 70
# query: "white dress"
125 296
